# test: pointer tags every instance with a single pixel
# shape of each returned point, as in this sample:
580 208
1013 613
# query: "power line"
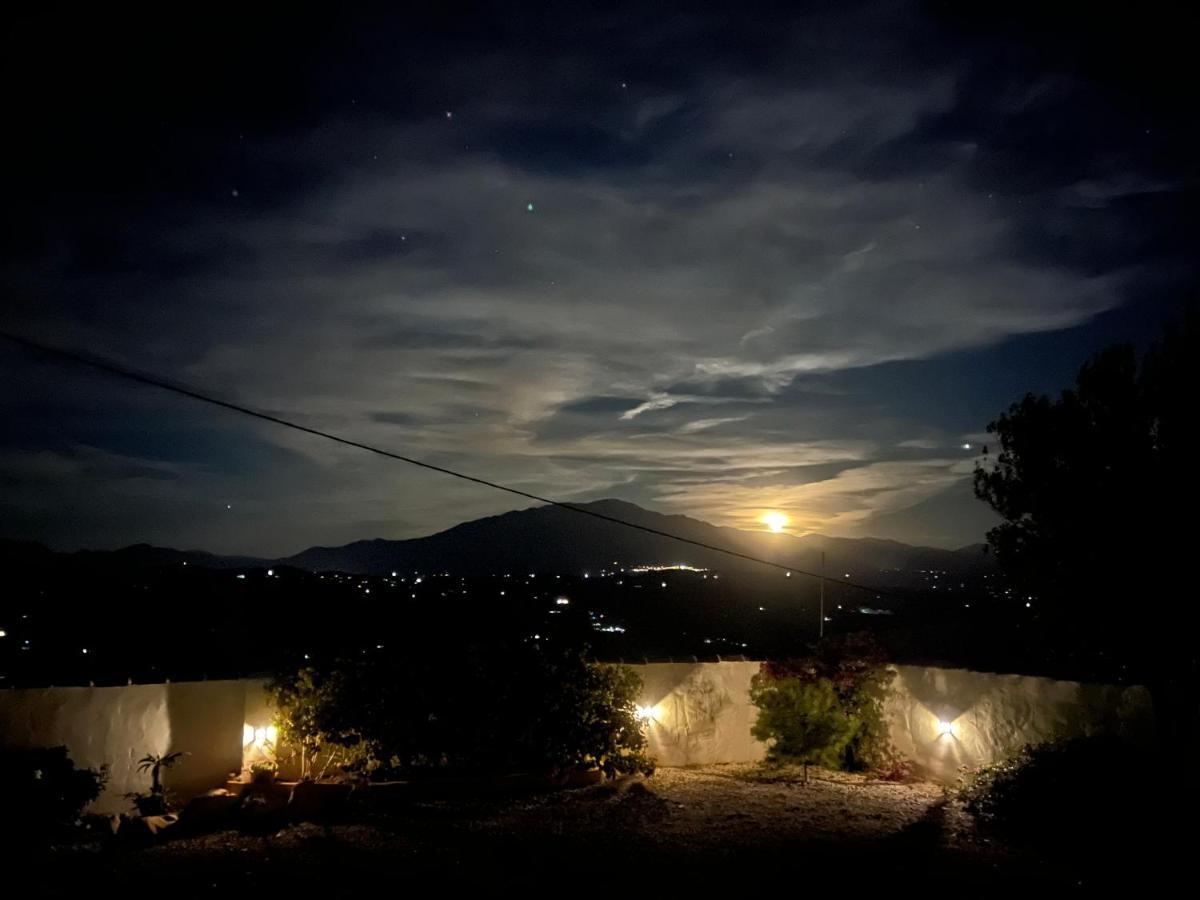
112 368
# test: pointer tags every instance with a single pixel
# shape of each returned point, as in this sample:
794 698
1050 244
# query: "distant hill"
552 539
28 554
548 538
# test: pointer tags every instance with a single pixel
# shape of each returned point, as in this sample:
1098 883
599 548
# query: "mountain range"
554 539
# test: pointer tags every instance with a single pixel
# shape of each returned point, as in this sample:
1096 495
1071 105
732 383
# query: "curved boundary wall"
699 714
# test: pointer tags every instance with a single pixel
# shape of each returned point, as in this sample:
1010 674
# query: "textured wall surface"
990 716
700 713
117 726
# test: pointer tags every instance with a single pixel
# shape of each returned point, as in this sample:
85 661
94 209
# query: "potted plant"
262 772
154 803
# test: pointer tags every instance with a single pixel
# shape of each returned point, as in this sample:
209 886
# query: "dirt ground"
707 828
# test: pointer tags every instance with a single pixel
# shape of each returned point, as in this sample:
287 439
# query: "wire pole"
821 621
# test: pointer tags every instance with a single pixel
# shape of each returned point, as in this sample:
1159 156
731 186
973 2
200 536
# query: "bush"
1067 791
827 709
44 794
518 710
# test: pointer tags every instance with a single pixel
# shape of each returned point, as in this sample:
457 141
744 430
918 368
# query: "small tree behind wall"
828 708
801 721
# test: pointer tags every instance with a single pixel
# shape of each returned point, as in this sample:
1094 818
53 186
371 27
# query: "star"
449 115
528 207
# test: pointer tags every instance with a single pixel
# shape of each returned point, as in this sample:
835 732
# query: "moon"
775 520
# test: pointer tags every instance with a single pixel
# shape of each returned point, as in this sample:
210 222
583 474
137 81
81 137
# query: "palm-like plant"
154 763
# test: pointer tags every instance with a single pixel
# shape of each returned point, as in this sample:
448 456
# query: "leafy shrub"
1067 791
43 792
318 718
520 709
827 709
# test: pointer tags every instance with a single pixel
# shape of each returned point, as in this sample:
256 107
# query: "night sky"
709 263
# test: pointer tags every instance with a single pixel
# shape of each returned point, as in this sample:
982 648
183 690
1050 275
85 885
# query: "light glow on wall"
260 737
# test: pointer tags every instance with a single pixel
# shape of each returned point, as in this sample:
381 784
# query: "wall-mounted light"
945 728
259 737
645 714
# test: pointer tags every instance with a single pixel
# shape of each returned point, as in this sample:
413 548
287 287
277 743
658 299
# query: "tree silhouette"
1097 490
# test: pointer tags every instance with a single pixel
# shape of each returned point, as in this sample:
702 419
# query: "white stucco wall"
700 714
993 715
117 726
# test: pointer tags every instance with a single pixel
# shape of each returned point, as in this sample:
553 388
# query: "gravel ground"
701 828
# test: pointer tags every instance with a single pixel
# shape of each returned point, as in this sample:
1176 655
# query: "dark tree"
1098 492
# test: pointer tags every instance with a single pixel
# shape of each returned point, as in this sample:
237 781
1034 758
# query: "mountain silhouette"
549 538
553 539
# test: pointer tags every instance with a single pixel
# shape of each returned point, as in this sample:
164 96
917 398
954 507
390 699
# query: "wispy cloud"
726 240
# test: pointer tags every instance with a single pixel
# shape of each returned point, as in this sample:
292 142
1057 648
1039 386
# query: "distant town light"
966 446
3 633
561 601
270 572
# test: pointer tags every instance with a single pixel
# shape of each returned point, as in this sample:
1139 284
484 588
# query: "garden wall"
117 726
699 713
